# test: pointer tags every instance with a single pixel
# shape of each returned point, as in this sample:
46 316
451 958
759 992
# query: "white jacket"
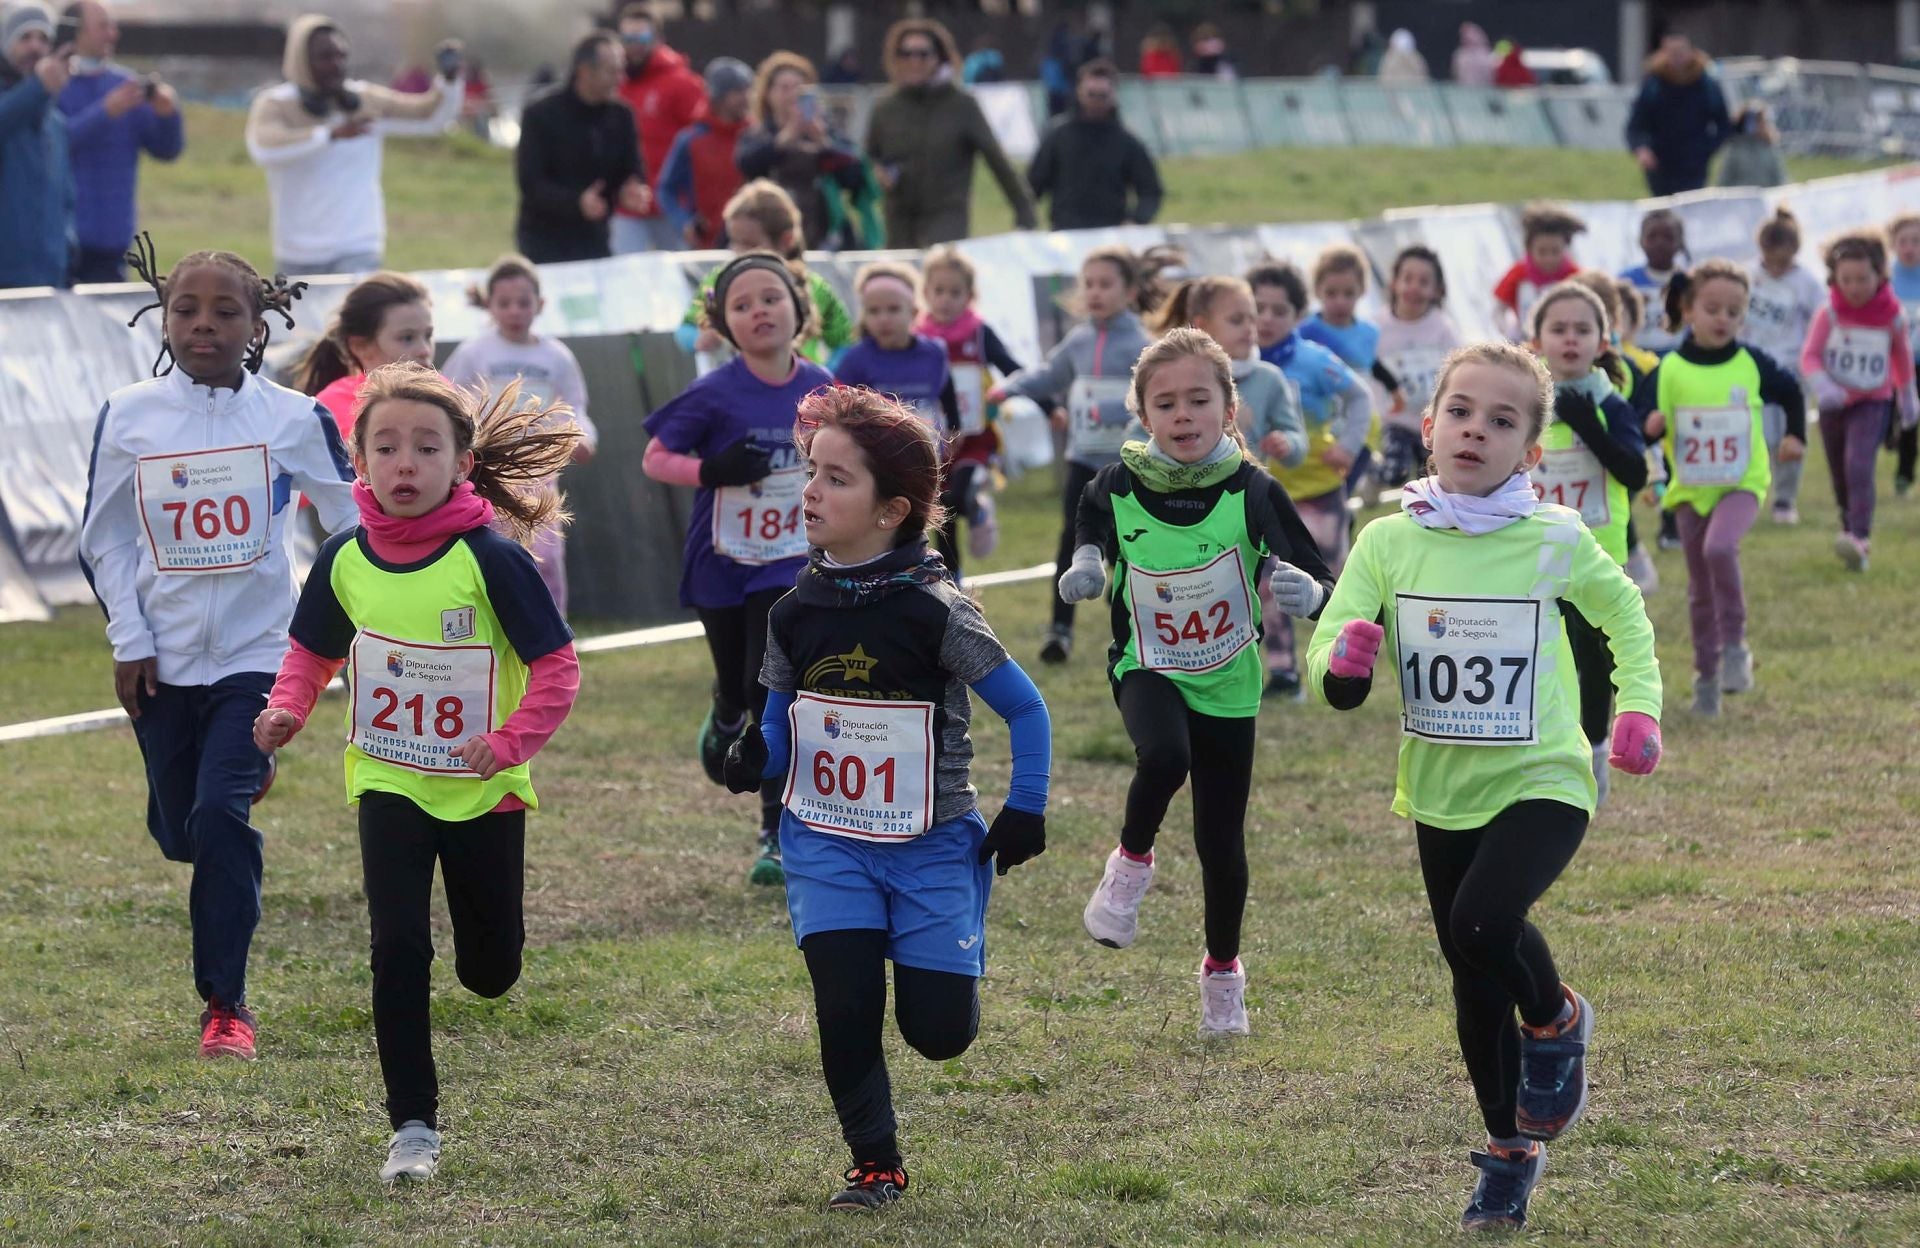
202 481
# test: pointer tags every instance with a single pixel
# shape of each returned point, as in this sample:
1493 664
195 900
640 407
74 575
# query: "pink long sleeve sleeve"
303 675
1813 352
670 467
552 683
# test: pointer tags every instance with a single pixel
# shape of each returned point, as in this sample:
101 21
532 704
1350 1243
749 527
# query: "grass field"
1744 921
450 202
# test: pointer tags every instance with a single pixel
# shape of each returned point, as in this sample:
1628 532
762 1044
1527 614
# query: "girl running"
548 374
1415 336
447 704
949 317
1904 230
1786 294
1462 591
1222 309
1339 284
1859 364
729 435
1088 371
1547 234
1186 521
1663 242
1338 412
385 319
868 665
1709 393
184 542
1593 457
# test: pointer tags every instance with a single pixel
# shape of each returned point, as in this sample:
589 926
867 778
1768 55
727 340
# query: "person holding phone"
36 184
791 142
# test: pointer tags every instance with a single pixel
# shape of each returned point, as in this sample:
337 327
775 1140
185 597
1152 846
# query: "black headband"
717 296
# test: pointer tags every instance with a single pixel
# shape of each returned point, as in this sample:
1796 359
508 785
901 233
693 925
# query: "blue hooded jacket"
36 186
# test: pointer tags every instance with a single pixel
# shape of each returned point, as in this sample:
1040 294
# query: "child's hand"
582 452
1399 402
1828 394
997 394
1084 578
1355 649
708 339
1792 449
1337 457
273 728
130 678
746 762
478 755
1636 743
1294 592
1058 418
1656 425
1016 837
1275 445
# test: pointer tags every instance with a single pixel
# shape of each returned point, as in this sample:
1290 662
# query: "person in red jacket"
1160 54
665 96
699 176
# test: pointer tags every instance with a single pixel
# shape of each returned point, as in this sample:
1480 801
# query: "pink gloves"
1636 743
1355 649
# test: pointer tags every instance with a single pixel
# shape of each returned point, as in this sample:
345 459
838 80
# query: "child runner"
446 703
762 217
1859 364
868 665
1546 233
948 316
1187 521
1629 380
1663 242
729 435
1493 769
1593 456
1088 370
1339 283
385 318
184 543
1415 336
1269 411
1709 394
1786 294
892 360
1904 230
1338 412
548 374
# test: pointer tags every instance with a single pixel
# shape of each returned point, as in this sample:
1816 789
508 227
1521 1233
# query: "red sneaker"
227 1031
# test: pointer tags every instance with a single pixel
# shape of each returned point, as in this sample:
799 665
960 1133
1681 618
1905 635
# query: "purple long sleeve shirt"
105 154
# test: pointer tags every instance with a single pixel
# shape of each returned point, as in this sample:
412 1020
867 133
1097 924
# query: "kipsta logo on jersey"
1163 591
397 662
1437 621
832 725
179 474
857 664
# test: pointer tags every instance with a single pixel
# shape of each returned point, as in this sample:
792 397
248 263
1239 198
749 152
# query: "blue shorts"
929 895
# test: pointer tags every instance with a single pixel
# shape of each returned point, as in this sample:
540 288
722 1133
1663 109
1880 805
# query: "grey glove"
1085 579
1294 592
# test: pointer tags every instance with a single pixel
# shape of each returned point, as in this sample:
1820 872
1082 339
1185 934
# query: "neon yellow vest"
1712 450
1560 442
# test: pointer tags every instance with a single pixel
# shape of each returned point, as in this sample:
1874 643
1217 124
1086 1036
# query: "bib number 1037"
1468 668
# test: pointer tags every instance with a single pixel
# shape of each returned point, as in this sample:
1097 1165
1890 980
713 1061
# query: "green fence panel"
1489 117
1296 114
1200 117
1396 116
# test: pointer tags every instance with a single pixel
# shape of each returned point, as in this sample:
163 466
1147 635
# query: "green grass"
450 202
1744 921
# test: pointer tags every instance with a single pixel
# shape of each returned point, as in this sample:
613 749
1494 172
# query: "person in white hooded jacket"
184 542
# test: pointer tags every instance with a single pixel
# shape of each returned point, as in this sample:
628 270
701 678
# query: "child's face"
1718 308
1184 409
759 313
404 451
1104 289
1856 280
746 234
1906 246
886 313
210 325
1569 339
1339 295
513 304
406 333
1415 286
1547 251
1779 258
947 295
1274 314
1660 240
841 507
1229 322
1478 427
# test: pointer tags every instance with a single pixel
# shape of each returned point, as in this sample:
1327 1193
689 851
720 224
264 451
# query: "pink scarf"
1878 312
401 539
1540 278
954 332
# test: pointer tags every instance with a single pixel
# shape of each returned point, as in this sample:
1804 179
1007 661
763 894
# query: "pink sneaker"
1852 551
227 1031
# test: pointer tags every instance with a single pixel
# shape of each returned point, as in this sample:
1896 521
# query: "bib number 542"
1218 622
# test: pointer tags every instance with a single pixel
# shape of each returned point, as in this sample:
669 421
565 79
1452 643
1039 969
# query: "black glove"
1016 836
1578 413
743 463
746 761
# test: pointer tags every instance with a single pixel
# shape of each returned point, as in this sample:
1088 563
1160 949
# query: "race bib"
861 769
1712 445
970 387
760 523
1857 356
205 511
1097 409
1574 478
1467 668
415 703
1192 619
1417 369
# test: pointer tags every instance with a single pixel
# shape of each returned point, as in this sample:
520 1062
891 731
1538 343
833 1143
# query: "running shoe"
1058 647
1113 912
1736 669
714 743
413 1153
1852 551
767 869
1553 1072
1641 572
1507 1180
1283 685
1902 486
273 769
870 1185
227 1031
983 526
1706 695
1786 513
1223 1001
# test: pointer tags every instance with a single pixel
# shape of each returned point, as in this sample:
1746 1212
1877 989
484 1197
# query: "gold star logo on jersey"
856 665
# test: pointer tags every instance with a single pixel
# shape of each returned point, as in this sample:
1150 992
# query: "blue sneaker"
1506 1183
1553 1073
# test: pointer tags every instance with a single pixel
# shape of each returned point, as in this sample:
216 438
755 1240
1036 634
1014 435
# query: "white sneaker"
1641 572
1223 1001
983 528
413 1154
1113 912
1736 669
1601 753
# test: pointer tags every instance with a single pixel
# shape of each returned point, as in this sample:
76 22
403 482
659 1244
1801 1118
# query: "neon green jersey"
1714 439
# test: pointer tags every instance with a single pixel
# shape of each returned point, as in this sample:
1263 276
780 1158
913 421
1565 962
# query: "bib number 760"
210 517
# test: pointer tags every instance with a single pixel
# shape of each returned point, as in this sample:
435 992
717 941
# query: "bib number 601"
848 776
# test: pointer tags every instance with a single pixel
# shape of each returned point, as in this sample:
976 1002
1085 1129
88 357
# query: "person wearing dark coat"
579 158
1679 118
1090 165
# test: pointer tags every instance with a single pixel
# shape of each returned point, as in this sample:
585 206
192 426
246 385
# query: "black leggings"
938 1013
1593 664
1170 743
1907 451
1480 883
483 864
1079 476
956 499
737 639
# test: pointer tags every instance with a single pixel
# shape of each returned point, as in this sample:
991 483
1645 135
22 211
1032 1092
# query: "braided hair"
267 296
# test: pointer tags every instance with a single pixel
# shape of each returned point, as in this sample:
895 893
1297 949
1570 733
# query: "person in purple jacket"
112 116
730 435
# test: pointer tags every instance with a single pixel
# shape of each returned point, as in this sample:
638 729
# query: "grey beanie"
725 74
22 19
